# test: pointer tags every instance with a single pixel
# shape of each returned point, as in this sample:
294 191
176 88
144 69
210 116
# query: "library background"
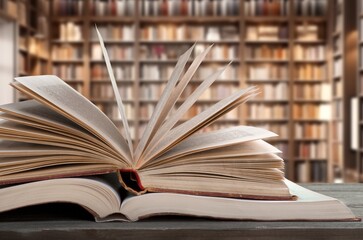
306 56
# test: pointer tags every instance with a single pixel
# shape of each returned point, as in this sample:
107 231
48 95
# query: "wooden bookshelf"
343 35
281 47
358 166
32 38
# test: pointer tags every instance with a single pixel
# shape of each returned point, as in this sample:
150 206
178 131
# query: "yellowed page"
154 120
175 117
32 113
185 129
218 139
117 94
55 93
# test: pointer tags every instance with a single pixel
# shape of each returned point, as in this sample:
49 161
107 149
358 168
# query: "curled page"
160 107
117 94
172 120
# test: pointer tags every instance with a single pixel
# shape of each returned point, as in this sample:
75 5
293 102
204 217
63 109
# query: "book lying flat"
100 196
61 134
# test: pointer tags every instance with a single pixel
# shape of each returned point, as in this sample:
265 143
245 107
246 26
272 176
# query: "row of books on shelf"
190 8
311 7
120 32
182 32
337 131
112 7
266 32
267 71
268 111
314 171
277 91
68 7
320 91
302 52
264 51
38 68
112 111
312 150
172 52
310 32
126 72
266 7
309 111
115 52
310 72
162 72
67 52
311 130
68 71
105 91
70 31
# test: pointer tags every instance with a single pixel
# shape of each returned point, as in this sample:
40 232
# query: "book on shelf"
49 142
190 8
267 32
265 52
112 8
311 7
266 7
68 8
70 31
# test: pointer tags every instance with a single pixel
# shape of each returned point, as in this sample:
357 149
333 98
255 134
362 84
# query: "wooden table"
62 221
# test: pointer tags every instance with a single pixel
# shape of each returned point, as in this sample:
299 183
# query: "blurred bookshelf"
293 50
357 168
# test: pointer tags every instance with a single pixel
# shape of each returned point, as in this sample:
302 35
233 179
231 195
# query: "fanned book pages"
49 142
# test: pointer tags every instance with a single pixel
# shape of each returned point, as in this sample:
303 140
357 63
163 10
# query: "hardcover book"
53 146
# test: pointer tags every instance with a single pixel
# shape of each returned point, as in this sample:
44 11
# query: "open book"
61 134
100 196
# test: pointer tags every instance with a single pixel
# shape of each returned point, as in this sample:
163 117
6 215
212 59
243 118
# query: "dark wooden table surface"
66 221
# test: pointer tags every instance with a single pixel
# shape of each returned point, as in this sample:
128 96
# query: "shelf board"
310 139
71 61
113 19
283 120
194 81
59 41
282 41
189 41
314 19
309 41
311 101
121 81
190 19
167 61
113 41
268 101
112 61
337 55
266 60
254 81
310 80
103 100
77 18
310 120
75 81
311 159
267 19
321 61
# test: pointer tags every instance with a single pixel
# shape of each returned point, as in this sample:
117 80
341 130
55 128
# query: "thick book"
60 134
101 197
